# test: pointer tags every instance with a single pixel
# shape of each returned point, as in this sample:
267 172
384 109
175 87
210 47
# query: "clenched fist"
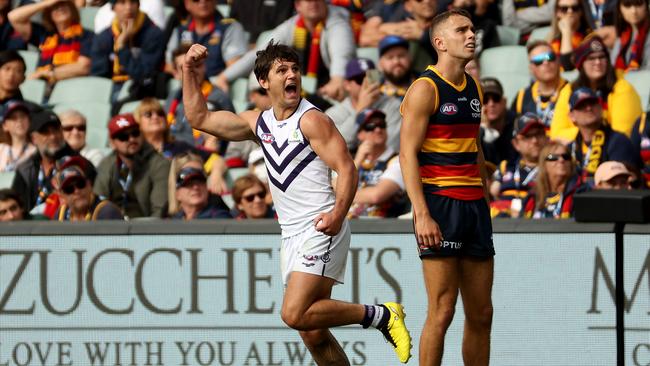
195 56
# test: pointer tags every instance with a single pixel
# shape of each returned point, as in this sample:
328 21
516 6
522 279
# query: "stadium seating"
508 36
540 34
33 90
512 84
371 53
82 89
97 116
6 179
501 60
31 60
239 94
87 15
233 173
129 107
263 38
641 82
224 9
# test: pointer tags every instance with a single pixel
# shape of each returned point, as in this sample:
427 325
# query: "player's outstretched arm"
419 103
330 146
222 124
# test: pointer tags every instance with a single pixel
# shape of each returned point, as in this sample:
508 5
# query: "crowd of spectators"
558 136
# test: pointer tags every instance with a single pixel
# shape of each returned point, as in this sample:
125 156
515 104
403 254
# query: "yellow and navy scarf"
60 49
119 75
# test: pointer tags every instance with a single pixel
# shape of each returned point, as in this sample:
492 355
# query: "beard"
52 151
397 79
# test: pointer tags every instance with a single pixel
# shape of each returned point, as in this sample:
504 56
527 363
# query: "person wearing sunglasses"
631 50
541 96
74 127
621 103
363 93
375 198
134 176
78 202
250 196
496 130
569 27
302 148
15 144
596 142
557 182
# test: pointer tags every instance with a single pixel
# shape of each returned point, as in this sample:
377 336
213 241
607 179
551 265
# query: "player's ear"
264 83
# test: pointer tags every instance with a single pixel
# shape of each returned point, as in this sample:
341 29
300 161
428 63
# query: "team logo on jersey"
449 109
267 138
475 104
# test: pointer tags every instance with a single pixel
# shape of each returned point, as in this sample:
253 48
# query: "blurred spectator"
631 49
600 13
268 14
395 64
74 128
526 15
411 24
11 208
131 49
322 36
373 158
621 103
641 141
214 168
224 37
485 17
15 146
249 194
568 29
596 141
498 123
540 97
9 38
12 74
473 69
105 15
612 175
78 202
215 98
64 45
557 182
33 180
134 175
514 178
259 98
193 197
151 118
362 94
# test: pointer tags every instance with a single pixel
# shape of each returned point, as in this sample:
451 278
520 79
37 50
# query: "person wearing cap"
395 65
541 96
446 180
596 142
363 93
74 127
224 37
78 202
323 37
612 175
372 159
193 197
15 146
131 49
134 175
621 103
33 179
514 178
496 130
641 140
63 43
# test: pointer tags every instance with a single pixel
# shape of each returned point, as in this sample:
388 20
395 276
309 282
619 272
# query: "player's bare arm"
222 124
330 146
418 105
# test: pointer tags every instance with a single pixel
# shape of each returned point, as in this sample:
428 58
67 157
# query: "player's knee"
480 317
313 338
442 316
292 318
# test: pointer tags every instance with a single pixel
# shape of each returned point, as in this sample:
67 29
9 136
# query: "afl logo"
475 104
449 109
267 138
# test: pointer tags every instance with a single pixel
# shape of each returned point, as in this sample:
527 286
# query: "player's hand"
195 57
428 232
328 224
